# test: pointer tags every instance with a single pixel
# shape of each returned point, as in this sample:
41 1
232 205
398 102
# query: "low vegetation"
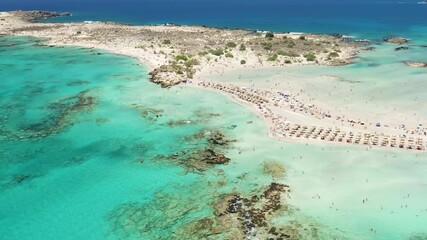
310 57
269 35
287 54
216 52
231 45
272 58
191 62
229 55
267 45
181 57
242 47
333 55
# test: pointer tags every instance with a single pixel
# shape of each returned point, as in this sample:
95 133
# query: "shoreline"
167 47
271 127
177 66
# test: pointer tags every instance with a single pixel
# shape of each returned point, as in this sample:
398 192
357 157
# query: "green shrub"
272 58
333 55
287 61
190 75
182 57
216 52
267 46
288 54
281 53
191 62
310 57
242 47
229 55
243 62
302 37
166 41
269 35
204 53
231 45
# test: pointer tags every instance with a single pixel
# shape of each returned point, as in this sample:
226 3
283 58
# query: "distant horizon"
39 5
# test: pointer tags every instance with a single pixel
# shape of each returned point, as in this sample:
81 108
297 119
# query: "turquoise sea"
88 144
82 132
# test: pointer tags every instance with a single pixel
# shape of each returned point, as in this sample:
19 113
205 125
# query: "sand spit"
176 54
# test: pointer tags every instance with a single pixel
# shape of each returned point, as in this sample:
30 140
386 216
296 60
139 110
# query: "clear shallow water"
74 184
76 124
83 178
66 184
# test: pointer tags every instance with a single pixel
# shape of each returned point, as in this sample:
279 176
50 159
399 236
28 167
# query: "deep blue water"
364 19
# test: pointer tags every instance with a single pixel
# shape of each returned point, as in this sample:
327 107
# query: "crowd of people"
268 102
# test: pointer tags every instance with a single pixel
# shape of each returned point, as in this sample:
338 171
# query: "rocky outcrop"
254 213
211 157
397 40
416 64
218 138
198 160
34 16
166 77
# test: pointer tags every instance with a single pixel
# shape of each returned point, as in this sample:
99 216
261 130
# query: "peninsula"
197 56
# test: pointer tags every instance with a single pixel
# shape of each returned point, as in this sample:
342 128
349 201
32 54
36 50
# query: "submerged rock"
397 40
254 213
211 157
21 178
166 213
148 113
77 83
218 138
416 64
369 48
253 216
59 117
198 160
172 123
401 48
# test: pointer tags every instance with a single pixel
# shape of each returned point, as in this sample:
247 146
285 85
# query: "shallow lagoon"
79 179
